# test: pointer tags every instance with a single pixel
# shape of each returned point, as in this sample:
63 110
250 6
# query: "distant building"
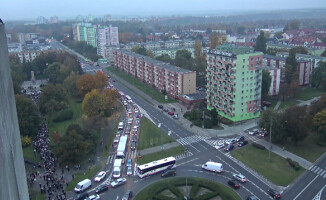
172 51
174 80
54 20
41 20
234 76
277 62
275 74
304 68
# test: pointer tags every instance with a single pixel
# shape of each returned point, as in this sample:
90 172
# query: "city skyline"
19 9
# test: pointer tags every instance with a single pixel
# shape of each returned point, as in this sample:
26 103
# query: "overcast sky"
30 9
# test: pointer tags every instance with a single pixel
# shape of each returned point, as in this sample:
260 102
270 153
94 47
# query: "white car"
219 146
240 177
118 182
94 197
254 132
129 171
231 141
100 176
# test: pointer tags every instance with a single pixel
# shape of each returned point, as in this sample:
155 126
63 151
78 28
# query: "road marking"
318 195
313 167
310 168
117 198
316 169
319 171
188 161
305 187
322 173
324 176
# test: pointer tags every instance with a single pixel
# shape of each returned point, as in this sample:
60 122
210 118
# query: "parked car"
253 132
263 134
219 146
127 195
100 176
240 138
229 147
119 181
233 184
101 189
133 145
175 116
171 113
231 141
242 143
129 171
116 139
240 177
93 197
169 172
82 196
160 106
274 193
134 138
252 197
129 163
165 110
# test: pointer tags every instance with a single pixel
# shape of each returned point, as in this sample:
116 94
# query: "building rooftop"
156 62
274 57
235 49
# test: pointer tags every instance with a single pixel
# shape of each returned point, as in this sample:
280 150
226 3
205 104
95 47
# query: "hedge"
293 164
258 146
63 115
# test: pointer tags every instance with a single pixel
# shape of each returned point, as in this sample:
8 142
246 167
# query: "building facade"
234 77
304 68
163 76
172 51
277 62
275 73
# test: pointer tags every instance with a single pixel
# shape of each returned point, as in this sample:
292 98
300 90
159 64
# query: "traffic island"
196 188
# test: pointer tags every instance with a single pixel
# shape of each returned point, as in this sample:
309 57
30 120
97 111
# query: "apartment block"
234 76
174 80
304 68
172 51
275 73
277 62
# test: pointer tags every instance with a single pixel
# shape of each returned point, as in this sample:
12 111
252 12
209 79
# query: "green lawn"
61 127
37 195
308 148
150 135
90 173
161 154
28 153
309 93
288 103
151 91
174 186
277 170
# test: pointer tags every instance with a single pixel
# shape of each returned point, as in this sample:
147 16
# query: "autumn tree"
150 53
261 43
70 84
319 75
294 88
292 25
266 83
198 49
323 54
28 116
164 58
53 99
52 72
272 119
85 84
319 123
216 39
101 80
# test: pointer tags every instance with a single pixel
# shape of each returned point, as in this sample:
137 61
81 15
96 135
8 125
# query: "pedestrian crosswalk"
110 159
183 155
192 139
317 170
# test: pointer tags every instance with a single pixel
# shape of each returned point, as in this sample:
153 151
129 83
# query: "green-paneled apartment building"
234 76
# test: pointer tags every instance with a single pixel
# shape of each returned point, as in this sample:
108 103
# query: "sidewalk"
158 148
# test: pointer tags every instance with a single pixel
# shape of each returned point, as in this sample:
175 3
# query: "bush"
293 164
175 191
208 196
194 190
258 146
26 141
63 115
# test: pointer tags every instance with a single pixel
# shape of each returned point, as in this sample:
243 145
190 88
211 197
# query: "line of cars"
171 113
230 144
258 132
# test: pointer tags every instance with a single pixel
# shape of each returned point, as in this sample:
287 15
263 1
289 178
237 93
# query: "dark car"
82 196
134 138
165 110
171 113
233 184
242 143
133 145
127 195
240 138
274 193
101 189
263 134
169 172
252 197
229 147
160 106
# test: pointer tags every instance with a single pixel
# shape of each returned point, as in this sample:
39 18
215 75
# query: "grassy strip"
151 135
277 170
28 153
90 173
36 195
288 103
161 154
309 93
151 91
216 189
308 148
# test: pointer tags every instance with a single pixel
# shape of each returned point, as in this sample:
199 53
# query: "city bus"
155 167
122 146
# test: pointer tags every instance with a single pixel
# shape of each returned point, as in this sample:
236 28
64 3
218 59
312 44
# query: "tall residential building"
304 71
54 20
84 32
41 20
275 74
174 80
12 170
234 76
107 36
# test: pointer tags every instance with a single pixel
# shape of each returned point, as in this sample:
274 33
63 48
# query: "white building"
275 73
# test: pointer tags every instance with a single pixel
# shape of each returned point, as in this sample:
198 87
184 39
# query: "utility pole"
203 126
186 197
270 139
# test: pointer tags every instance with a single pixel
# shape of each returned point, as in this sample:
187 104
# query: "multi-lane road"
311 185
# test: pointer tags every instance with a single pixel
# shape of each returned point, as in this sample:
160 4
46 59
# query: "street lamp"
186 196
270 139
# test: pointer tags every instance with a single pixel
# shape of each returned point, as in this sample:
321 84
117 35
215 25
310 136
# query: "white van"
117 168
213 166
128 99
120 126
83 185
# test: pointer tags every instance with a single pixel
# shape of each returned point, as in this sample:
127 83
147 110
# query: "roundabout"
180 188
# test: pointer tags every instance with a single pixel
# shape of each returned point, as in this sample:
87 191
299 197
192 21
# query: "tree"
294 88
300 50
184 60
150 53
323 54
241 30
261 43
52 72
216 39
198 49
292 25
318 74
70 84
266 83
28 116
271 51
53 99
101 80
213 114
268 116
317 106
295 123
319 123
284 89
139 50
164 58
85 84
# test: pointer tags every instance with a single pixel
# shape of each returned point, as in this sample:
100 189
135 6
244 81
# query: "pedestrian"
283 148
73 176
